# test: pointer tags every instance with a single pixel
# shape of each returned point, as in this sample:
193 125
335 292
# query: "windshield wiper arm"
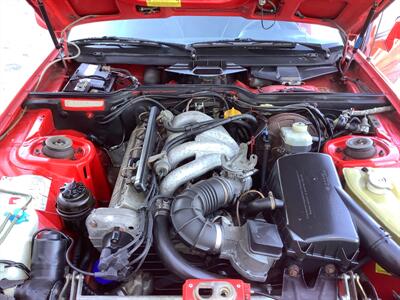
317 48
130 42
244 43
261 43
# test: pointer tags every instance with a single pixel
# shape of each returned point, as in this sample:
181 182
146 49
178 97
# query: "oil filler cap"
59 147
360 148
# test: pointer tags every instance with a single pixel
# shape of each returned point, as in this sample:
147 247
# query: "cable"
117 110
13 124
112 148
66 28
18 265
273 10
240 199
78 53
120 71
216 123
315 114
199 95
67 253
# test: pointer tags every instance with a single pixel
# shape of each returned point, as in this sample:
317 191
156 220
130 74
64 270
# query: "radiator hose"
374 239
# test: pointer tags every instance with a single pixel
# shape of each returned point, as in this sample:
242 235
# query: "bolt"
294 270
190 285
330 269
338 150
381 153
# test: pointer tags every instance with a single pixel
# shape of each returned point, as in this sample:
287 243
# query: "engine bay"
239 181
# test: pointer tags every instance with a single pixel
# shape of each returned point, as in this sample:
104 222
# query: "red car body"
24 130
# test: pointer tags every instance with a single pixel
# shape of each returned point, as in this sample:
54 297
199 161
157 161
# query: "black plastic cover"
314 222
47 268
264 238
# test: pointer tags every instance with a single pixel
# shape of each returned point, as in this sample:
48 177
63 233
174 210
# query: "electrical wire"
274 11
202 95
13 124
112 148
67 253
216 123
120 71
118 109
61 59
317 117
240 199
14 264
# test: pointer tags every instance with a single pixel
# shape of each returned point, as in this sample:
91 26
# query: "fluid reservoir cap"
378 184
74 200
59 147
231 113
300 127
360 148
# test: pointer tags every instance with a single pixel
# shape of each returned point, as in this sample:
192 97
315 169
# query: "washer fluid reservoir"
19 221
378 191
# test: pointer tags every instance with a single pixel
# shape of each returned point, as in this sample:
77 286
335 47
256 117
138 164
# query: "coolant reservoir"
297 138
378 191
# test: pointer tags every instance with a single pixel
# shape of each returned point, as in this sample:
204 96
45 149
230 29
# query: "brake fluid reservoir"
296 138
378 191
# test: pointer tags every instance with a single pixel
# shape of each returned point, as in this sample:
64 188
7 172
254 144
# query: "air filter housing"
315 224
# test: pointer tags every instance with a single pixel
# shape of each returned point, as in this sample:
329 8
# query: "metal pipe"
208 148
189 171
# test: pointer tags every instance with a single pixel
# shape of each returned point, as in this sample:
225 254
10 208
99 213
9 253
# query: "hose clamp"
272 200
163 207
218 237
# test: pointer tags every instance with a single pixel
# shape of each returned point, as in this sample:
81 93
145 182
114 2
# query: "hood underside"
349 15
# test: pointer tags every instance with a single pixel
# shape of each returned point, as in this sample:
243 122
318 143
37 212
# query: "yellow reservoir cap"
231 113
377 191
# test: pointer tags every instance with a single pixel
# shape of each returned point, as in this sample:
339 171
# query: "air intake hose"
171 258
378 243
189 209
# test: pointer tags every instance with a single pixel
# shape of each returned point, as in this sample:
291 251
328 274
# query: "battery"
90 78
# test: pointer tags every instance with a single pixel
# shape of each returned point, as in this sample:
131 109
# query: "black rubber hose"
190 208
259 205
374 239
171 258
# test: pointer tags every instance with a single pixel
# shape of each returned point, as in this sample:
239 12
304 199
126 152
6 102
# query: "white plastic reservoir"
16 239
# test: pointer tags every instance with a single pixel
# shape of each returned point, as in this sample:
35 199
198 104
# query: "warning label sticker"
164 3
36 186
